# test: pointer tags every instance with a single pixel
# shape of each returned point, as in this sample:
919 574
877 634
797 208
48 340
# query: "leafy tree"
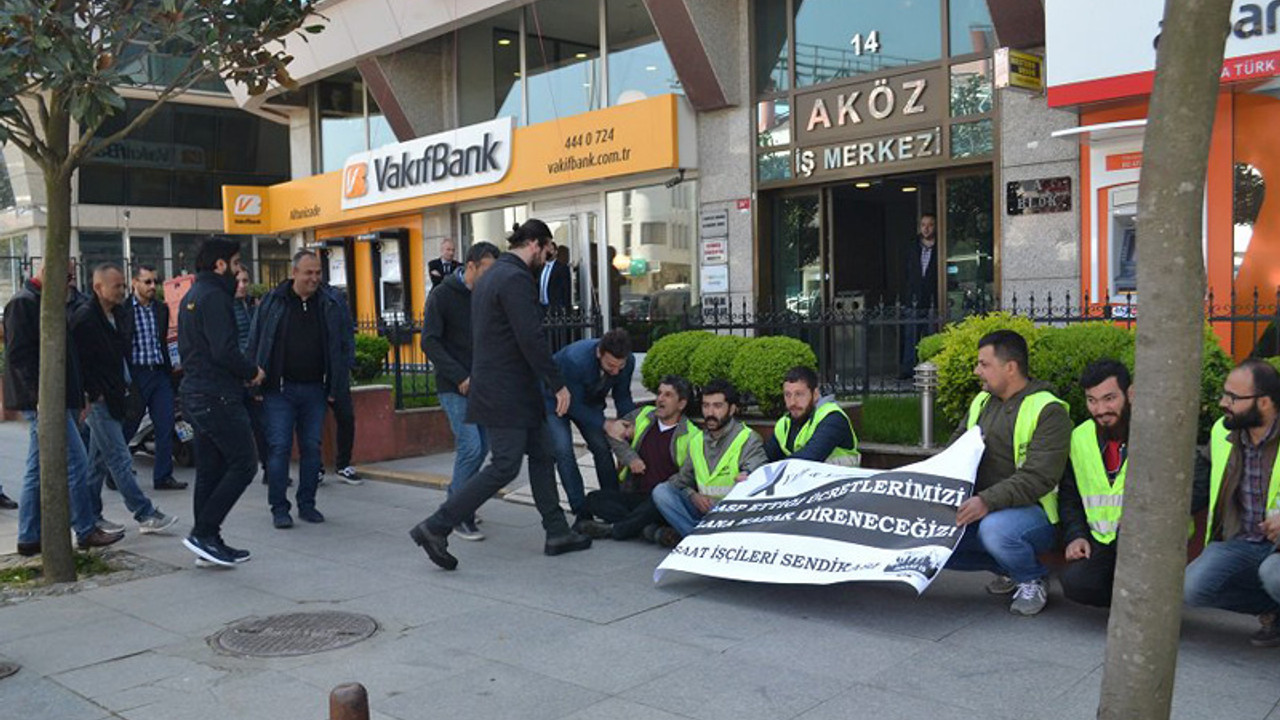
62 66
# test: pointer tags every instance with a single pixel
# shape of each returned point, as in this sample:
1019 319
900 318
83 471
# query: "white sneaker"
1029 598
349 476
107 526
157 523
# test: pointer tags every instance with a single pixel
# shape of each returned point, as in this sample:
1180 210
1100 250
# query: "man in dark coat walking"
509 366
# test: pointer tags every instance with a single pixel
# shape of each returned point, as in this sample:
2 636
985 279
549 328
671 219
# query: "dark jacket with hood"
267 333
22 352
104 350
208 343
511 360
446 332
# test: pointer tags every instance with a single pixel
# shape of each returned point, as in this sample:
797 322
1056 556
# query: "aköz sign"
467 157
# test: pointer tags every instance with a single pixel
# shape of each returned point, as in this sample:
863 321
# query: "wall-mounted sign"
871 108
715 279
870 155
1124 161
337 267
1033 197
713 223
474 155
715 251
1019 70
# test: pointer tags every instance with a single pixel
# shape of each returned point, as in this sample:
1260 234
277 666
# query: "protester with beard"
215 373
1091 494
815 427
724 454
510 363
1238 570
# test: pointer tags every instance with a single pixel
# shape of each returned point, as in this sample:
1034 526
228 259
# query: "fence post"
865 322
349 701
398 371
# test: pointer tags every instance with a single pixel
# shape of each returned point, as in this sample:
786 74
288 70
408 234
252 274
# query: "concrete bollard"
349 701
926 382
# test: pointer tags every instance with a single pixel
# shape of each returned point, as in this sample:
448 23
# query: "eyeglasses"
1233 398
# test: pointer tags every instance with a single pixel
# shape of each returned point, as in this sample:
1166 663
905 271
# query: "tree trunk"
55 516
1142 636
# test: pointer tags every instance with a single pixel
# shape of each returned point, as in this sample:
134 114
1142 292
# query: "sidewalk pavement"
515 634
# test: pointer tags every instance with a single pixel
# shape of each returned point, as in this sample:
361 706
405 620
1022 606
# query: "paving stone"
28 695
617 709
862 701
193 601
86 644
493 690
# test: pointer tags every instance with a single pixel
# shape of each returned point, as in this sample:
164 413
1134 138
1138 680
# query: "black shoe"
7 503
28 549
667 537
436 546
594 529
209 550
169 484
311 515
235 554
282 521
567 543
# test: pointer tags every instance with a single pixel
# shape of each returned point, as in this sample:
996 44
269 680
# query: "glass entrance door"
575 234
968 243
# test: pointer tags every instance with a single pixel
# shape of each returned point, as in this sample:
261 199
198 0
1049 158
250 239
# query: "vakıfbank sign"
467 157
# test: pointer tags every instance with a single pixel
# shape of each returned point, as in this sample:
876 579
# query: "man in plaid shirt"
151 370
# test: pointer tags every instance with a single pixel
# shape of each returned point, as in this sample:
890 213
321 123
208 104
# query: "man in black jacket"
510 364
446 339
445 265
152 371
215 373
297 337
101 328
21 392
920 266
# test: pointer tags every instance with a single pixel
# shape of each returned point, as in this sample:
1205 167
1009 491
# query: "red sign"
744 204
1124 161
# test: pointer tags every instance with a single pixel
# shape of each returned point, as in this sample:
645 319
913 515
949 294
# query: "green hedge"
371 357
760 365
956 382
930 345
670 356
1064 352
714 358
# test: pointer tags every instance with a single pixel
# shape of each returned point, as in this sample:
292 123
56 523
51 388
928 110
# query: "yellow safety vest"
721 481
643 421
1024 427
1219 453
782 430
1103 500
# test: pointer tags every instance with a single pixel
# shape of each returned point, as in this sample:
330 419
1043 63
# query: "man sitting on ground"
651 443
724 454
814 428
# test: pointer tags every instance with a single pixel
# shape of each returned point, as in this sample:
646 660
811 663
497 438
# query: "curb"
416 479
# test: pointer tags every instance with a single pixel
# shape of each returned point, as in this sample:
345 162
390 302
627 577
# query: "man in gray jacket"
724 454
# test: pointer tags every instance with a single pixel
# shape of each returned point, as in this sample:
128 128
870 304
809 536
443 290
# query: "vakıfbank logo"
248 204
355 180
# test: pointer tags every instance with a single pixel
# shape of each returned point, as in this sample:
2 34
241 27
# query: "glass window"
380 132
842 38
342 125
562 57
638 64
970 241
773 120
182 249
971 88
13 253
971 28
6 187
1249 190
491 226
972 139
771 46
489 69
797 258
147 250
272 264
773 166
99 247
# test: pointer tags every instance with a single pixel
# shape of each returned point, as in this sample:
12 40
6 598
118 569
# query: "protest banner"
802 522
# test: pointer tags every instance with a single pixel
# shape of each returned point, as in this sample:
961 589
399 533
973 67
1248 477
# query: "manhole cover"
293 634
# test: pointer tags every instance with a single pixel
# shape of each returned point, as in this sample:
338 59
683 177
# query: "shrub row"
755 366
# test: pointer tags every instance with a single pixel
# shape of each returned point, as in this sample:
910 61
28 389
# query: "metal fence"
866 351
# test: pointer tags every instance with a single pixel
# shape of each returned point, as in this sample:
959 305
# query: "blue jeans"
567 463
156 391
469 442
1007 542
300 407
82 517
677 508
1269 575
1227 576
109 453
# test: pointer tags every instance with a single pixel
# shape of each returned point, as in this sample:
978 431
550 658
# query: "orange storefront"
1110 91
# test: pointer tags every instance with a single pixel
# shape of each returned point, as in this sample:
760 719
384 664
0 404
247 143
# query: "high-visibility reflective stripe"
1101 501
1024 427
1106 527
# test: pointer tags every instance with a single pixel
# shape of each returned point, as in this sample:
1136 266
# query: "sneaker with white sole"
107 526
349 476
1029 598
468 531
1001 585
208 549
157 523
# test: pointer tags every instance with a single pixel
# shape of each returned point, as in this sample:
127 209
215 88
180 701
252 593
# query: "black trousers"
344 415
225 457
507 450
1089 581
629 512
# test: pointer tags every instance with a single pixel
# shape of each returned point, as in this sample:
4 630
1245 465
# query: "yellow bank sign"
470 163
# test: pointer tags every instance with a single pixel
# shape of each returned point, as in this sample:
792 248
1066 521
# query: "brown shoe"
99 538
667 537
1269 634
